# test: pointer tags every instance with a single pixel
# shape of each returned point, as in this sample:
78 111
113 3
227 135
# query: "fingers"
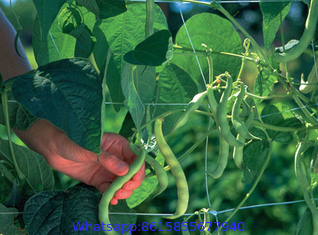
117 145
136 180
129 186
113 164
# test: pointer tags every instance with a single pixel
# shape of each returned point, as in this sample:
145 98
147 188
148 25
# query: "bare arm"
11 64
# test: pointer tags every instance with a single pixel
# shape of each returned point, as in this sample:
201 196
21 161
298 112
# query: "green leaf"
153 51
68 19
133 102
47 12
258 132
122 33
19 117
264 84
119 219
273 13
216 33
67 93
104 8
254 157
55 46
126 129
272 116
84 41
33 166
14 199
174 86
58 212
138 85
5 184
305 226
6 221
142 193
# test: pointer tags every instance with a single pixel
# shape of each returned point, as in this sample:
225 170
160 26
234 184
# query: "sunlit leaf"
216 33
273 13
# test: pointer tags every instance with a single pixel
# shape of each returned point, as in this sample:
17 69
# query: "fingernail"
121 167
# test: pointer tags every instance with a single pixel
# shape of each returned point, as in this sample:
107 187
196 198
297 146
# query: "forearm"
11 64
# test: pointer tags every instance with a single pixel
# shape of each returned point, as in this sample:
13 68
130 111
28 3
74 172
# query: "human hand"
67 157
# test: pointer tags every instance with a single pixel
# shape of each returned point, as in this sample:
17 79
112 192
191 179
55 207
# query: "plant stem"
282 128
7 122
305 110
259 50
267 97
203 53
303 146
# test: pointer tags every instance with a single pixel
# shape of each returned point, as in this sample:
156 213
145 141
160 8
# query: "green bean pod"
223 158
150 17
212 101
236 121
238 151
304 183
193 105
222 116
302 147
305 39
176 170
115 186
160 173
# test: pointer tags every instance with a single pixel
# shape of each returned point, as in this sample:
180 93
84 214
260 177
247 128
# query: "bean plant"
90 52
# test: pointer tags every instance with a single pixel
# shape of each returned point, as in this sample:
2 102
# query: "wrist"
41 137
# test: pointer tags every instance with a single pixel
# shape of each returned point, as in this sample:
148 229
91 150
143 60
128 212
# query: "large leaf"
175 86
122 33
55 46
58 212
47 12
67 93
138 85
6 222
153 51
19 117
104 8
216 33
33 166
271 115
254 157
273 13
